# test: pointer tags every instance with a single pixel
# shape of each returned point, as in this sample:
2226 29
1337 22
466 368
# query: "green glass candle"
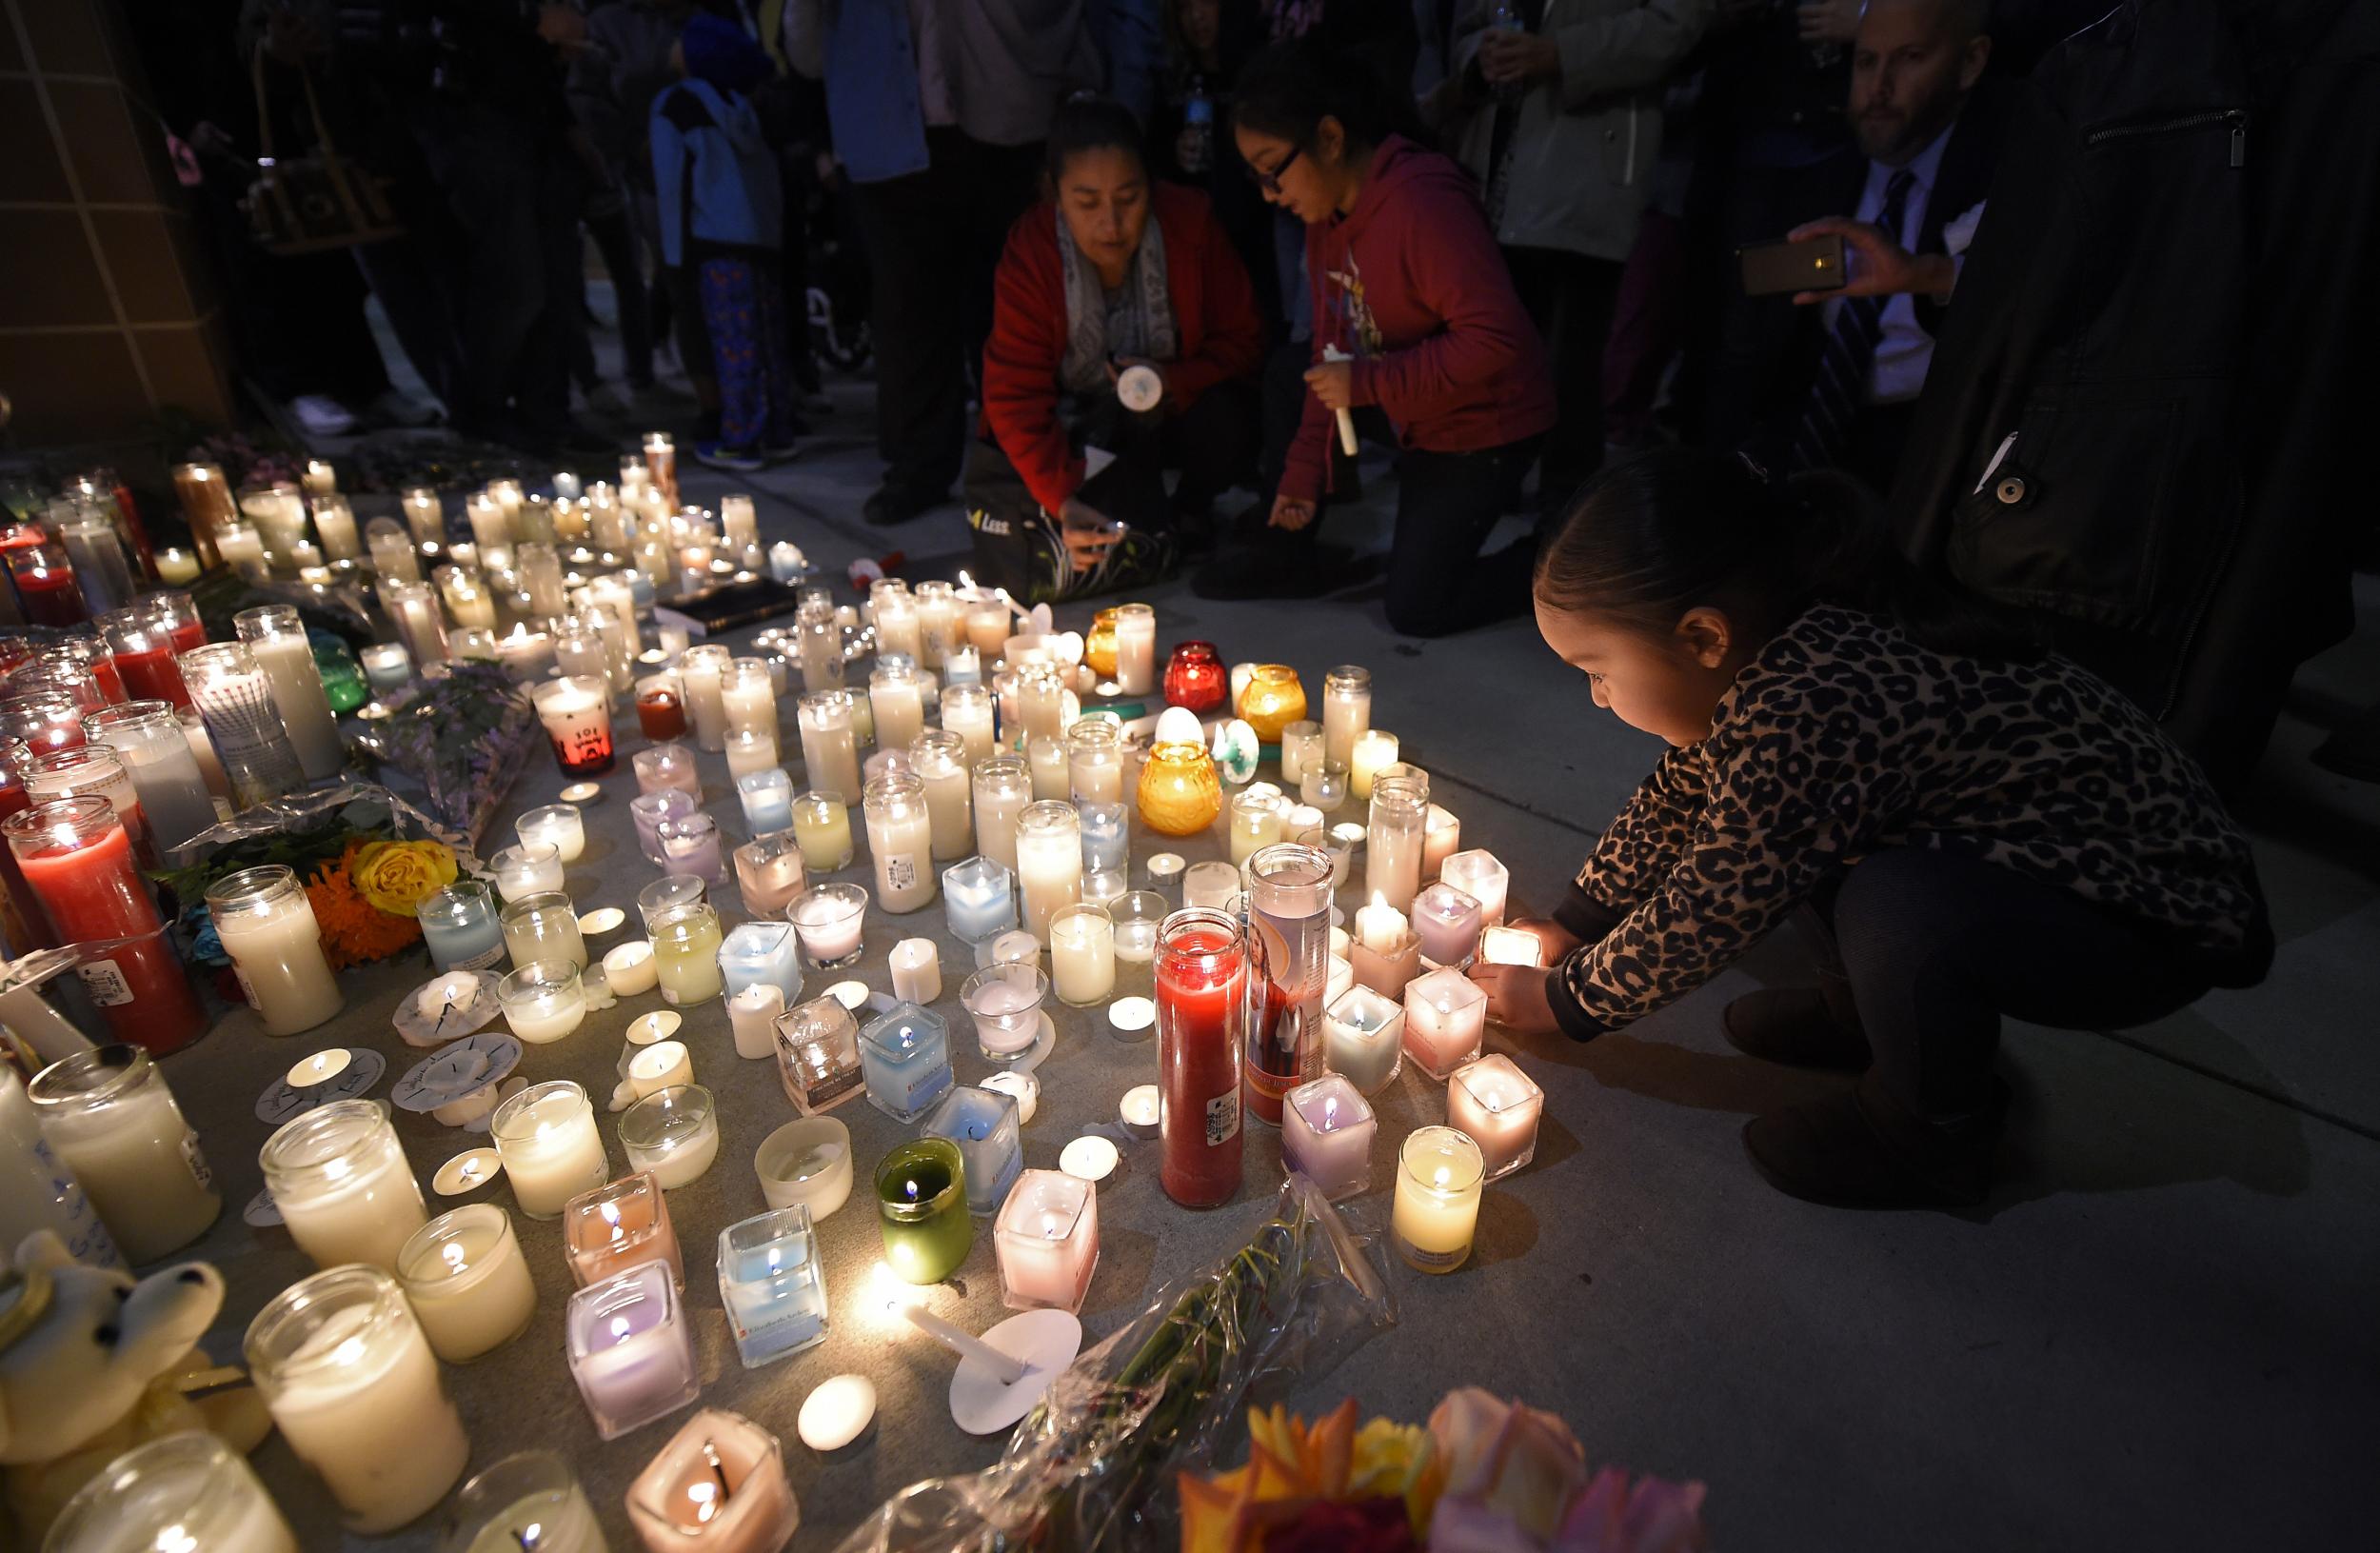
343 678
921 1199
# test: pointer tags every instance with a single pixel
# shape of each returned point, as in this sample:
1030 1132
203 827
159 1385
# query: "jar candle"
461 927
1438 1176
829 746
1040 702
1324 784
646 813
748 697
232 694
718 1485
45 593
466 591
576 711
526 870
352 1383
1478 875
1346 713
770 871
1106 847
424 514
1440 837
1046 757
904 1056
1201 980
558 826
1135 649
393 550
921 1210
829 918
702 672
1194 675
818 1061
821 646
671 1132
938 612
141 642
1271 699
660 708
112 1121
987 617
1289 912
412 609
978 898
1326 1136
146 737
1498 1107
37 1190
1445 1021
1082 954
545 1136
893 698
184 1491
631 1349
1302 750
1180 793
939 762
966 711
1210 885
984 1124
767 799
340 1179
897 628
468 1281
666 766
526 1500
543 1000
267 926
1363 1037
760 954
77 859
620 1224
471 645
1255 823
1095 772
1393 842
691 844
1006 1000
821 828
276 639
1448 923
1003 786
772 1286
899 838
1372 749
685 954
1049 863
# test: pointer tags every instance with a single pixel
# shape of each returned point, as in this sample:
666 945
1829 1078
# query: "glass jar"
1346 710
46 594
1393 842
938 759
1255 823
1002 788
412 607
111 1119
1440 1171
468 1281
1272 699
830 743
235 698
276 637
185 1491
660 707
1179 792
528 1501
267 925
1098 645
142 642
92 769
576 711
341 1180
1195 677
901 839
1135 649
461 928
543 1000
922 1208
898 705
685 953
1289 916
1094 760
552 1151
1201 982
1049 863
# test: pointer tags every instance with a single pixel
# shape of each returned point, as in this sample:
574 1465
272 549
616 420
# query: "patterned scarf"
1143 324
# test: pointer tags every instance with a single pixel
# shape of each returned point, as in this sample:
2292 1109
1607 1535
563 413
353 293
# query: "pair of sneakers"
718 455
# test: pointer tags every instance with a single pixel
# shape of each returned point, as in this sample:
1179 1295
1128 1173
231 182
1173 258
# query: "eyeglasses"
1270 182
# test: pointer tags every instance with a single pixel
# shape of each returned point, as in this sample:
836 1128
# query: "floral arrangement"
1486 1476
364 900
464 737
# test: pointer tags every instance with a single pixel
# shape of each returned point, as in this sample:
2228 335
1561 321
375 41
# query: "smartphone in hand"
1815 264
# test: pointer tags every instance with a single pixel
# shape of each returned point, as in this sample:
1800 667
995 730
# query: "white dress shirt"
1904 351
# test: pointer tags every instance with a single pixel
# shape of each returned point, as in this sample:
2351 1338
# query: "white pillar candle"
1445 1021
558 826
1441 834
665 1064
892 696
276 638
1372 749
829 749
1437 1210
967 712
1478 874
1002 788
268 927
109 1117
1049 863
900 842
545 1136
1496 1105
342 1186
1082 954
939 761
1135 649
468 1281
1380 926
752 1015
917 971
1051 779
700 671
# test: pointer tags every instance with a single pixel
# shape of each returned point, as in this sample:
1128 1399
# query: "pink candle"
1445 1019
1047 1237
1448 923
1497 1106
719 1486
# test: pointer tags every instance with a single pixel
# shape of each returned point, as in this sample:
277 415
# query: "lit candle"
1210 886
1441 835
153 1494
1437 1210
1497 1106
1326 1136
921 1211
106 1116
176 568
967 711
939 761
1478 874
558 826
978 898
1445 1020
917 971
1047 758
905 1057
806 1162
1511 947
666 766
770 871
461 927
1363 1034
719 1486
685 954
631 1349
829 917
772 1287
1135 649
752 1015
1393 842
526 654
1379 927
660 1065
700 670
543 1000
576 711
893 698
901 840
829 746
748 697
526 870
821 828
631 969
1082 954
1049 863
1005 1002
1372 749
1346 715
1048 1240
984 1124
672 1133
267 925
340 1179
622 1224
468 1281
545 1136
1019 1086
1448 923
1003 787
525 1501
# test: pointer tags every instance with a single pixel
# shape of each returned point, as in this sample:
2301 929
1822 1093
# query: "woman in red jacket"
1415 321
1117 289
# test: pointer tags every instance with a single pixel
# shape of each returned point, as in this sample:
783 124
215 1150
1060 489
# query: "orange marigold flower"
354 931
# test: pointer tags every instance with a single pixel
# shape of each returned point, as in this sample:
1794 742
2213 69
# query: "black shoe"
1794 1026
1857 1149
893 504
1260 571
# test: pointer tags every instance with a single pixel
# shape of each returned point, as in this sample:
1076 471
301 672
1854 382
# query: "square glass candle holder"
771 1285
769 873
818 1055
984 1124
1048 1240
1478 874
1363 1035
719 1486
764 953
978 898
1386 971
631 1349
1499 1107
621 1224
1448 921
1445 1021
906 1057
1327 1130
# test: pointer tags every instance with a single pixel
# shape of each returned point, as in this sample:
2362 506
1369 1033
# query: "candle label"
196 1159
108 988
1222 1118
481 961
1433 1261
901 872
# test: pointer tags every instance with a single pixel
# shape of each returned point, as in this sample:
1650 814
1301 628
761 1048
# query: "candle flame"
1444 1176
455 1257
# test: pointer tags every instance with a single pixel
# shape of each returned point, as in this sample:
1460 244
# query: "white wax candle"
1478 874
1372 749
468 1281
1511 947
1380 926
551 1150
917 971
136 1158
665 1064
1136 649
900 713
705 704
967 712
752 1014
1051 779
276 949
287 660
1049 864
901 841
1048 1240
1082 956
362 1406
630 968
946 780
1445 1021
829 748
342 1186
1448 923
558 826
1442 835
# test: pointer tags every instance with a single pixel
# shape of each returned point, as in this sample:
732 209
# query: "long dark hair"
1656 535
1087 122
1288 90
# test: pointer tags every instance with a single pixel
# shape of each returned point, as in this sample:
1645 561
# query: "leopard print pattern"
1843 737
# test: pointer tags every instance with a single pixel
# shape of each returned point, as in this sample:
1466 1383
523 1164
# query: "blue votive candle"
978 898
984 1124
459 926
762 952
770 1284
906 1057
1106 839
767 800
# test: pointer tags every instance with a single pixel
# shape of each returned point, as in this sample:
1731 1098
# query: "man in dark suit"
1831 379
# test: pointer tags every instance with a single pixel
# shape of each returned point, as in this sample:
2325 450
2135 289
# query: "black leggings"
1924 952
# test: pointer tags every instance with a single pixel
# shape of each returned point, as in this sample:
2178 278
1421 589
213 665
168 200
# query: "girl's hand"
1290 513
1333 383
1560 941
1517 997
1089 533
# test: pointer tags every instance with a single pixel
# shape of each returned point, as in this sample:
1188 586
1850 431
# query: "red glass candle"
45 719
1195 677
88 651
26 925
178 612
78 861
660 708
144 652
1202 986
45 585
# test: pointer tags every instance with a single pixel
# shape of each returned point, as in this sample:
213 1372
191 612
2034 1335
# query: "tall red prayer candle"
1201 1010
45 585
78 861
141 640
29 925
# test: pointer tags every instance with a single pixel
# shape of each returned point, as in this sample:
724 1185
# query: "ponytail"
1656 535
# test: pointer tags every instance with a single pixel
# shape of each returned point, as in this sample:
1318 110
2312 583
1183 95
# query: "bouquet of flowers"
1486 1476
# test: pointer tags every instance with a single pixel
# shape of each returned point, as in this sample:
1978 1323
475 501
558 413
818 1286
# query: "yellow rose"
397 876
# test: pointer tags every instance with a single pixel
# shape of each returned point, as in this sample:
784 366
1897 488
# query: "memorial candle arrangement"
1201 982
110 1119
631 1349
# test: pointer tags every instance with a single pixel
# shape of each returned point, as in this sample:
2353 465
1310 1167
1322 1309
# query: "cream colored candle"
939 761
1049 863
917 971
1346 713
752 1017
109 1117
340 1180
1437 1211
543 1000
821 828
1496 1105
1255 823
1082 954
901 841
829 747
1051 778
700 671
1095 768
748 697
1441 836
1002 789
892 695
1135 649
750 751
967 712
276 638
1478 874
663 1065
468 1281
1372 749
545 1136
630 968
558 826
685 953
268 927
181 1493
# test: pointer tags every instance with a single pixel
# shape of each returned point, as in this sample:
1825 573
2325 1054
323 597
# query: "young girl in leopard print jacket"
1971 828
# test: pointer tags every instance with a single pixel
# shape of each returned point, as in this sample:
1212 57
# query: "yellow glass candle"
1439 1175
685 953
1372 749
1272 699
1180 793
821 828
1098 645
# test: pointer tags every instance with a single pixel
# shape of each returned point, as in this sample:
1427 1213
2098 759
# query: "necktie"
1841 386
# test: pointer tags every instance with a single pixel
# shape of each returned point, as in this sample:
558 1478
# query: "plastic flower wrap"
463 738
397 876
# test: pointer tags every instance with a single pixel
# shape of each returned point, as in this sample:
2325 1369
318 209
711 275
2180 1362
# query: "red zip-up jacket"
1412 285
1219 334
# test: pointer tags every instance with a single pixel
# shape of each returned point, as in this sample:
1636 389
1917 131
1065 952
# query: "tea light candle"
719 1486
1166 871
1511 947
771 1285
1090 1158
1372 749
468 1282
1140 1110
545 1136
821 828
620 1224
818 1055
829 918
806 1161
1326 1136
1448 923
905 1057
752 1015
526 654
1478 874
1438 1177
631 1349
1082 954
1498 1107
984 1124
386 667
1047 1242
660 1066
630 968
672 1133
1445 1020
917 971
1019 1086
1362 1033
978 898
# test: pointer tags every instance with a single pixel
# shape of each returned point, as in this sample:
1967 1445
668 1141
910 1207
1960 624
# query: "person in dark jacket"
1114 273
1978 829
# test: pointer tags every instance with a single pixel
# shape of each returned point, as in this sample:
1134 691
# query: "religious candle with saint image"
1289 946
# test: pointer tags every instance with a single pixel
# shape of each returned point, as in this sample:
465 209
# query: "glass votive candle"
685 954
718 1484
351 1382
340 1179
1194 675
620 1224
667 893
1363 1038
647 812
660 708
904 1056
545 1136
1498 1107
1106 837
1448 923
808 1163
1372 749
558 826
1210 886
978 898
1082 954
1511 947
576 711
750 751
771 1285
692 843
760 953
543 1000
666 766
1255 823
818 1057
468 1282
822 824
770 871
525 1501
1047 1242
1301 750
544 926
631 1349
1440 1172
182 1491
1326 1136
1006 1000
984 1124
829 917
526 870
672 1134
1324 784
1271 701
767 799
921 1210
1478 874
1445 1021
388 667
1441 833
